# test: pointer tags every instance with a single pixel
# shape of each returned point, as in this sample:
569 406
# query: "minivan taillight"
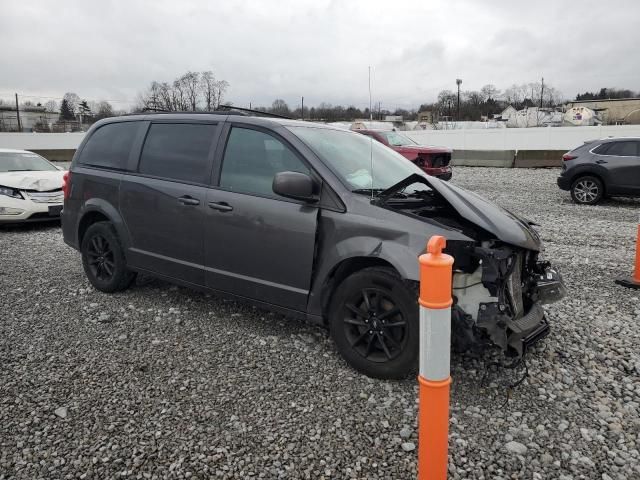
568 156
66 184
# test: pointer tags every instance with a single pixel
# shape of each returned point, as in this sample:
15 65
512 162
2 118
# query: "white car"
30 187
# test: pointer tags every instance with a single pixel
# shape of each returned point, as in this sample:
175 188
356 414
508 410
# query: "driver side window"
251 160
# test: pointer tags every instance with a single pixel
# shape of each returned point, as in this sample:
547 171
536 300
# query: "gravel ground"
163 382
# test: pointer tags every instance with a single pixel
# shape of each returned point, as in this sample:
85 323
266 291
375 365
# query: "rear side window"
251 160
178 151
623 149
109 146
602 149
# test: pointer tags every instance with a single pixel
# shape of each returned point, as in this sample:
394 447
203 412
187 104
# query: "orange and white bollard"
634 281
435 344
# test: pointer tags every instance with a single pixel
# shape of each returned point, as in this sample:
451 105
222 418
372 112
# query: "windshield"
397 140
23 162
350 156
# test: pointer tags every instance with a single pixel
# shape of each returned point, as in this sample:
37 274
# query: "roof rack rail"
249 110
212 112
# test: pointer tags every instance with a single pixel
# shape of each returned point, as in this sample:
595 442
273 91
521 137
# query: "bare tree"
103 110
490 92
208 90
221 88
280 107
191 91
51 106
190 83
73 101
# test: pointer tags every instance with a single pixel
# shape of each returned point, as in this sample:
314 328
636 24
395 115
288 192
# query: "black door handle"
221 206
601 161
187 200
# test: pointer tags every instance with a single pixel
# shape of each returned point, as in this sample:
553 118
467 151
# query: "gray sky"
320 49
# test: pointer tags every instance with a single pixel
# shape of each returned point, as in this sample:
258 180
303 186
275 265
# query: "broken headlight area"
498 293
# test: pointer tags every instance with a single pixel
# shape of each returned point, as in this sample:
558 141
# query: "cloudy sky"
321 49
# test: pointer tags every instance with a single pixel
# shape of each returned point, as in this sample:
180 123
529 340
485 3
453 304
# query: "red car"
433 160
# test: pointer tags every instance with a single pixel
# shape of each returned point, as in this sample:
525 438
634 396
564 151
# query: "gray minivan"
312 221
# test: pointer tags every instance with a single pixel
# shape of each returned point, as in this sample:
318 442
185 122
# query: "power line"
22 95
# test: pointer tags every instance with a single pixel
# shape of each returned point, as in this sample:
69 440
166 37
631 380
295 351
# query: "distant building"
618 111
30 118
581 116
428 116
506 114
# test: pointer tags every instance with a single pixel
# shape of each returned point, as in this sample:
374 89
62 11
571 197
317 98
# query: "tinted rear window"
601 149
109 146
178 151
625 149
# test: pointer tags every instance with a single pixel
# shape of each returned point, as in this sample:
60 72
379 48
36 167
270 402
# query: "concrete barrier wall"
483 158
540 138
538 158
41 141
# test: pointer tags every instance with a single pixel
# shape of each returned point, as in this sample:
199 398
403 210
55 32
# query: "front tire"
103 259
373 319
587 190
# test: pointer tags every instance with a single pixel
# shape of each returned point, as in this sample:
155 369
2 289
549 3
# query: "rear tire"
587 190
103 259
373 319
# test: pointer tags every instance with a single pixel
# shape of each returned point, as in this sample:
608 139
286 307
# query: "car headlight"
10 211
10 192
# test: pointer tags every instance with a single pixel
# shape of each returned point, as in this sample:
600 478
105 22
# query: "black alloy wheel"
373 318
100 258
374 325
103 259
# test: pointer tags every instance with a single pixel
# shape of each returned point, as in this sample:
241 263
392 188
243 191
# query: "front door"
164 202
257 244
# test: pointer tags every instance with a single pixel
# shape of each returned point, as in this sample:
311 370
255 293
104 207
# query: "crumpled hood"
476 209
487 215
39 181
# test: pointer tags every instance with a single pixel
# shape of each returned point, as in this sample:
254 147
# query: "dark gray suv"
312 221
601 168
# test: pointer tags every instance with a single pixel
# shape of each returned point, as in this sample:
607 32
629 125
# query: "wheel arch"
346 268
590 173
97 210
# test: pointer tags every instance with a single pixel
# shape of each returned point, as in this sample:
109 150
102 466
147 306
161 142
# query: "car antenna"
370 137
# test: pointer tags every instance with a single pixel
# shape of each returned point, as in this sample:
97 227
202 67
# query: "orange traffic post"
435 344
634 281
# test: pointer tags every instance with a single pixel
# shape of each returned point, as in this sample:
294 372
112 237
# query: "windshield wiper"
23 170
368 191
378 191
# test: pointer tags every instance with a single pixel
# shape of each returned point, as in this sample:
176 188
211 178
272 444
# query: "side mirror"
295 185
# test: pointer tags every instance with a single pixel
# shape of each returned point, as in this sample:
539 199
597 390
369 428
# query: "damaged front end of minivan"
498 293
500 284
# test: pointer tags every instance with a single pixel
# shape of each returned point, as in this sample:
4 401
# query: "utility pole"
18 114
541 92
458 82
249 105
302 109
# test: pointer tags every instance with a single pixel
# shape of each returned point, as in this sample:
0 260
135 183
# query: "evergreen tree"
66 113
